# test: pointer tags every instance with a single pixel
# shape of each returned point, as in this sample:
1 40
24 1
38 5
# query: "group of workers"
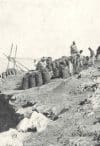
75 52
73 64
46 68
66 65
78 58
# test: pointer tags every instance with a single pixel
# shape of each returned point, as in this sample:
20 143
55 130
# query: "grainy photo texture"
49 72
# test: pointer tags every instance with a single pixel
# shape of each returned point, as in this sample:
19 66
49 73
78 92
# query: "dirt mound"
67 104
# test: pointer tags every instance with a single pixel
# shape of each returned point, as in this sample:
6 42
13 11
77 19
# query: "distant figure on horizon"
92 56
75 53
81 58
98 53
41 64
73 48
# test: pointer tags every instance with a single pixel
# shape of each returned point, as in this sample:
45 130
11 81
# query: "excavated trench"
8 117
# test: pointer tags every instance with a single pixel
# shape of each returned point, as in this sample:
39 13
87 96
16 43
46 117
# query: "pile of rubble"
52 111
95 99
11 138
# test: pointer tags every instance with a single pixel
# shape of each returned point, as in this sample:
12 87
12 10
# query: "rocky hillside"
72 107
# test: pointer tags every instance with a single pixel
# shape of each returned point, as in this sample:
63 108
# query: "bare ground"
74 121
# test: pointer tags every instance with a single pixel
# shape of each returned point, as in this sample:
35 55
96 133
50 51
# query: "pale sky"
48 27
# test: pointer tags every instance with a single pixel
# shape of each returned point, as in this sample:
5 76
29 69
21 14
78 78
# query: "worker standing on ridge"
92 56
79 61
41 64
74 53
34 64
98 53
74 49
70 65
81 58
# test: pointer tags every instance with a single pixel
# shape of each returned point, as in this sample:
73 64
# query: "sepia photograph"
49 72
